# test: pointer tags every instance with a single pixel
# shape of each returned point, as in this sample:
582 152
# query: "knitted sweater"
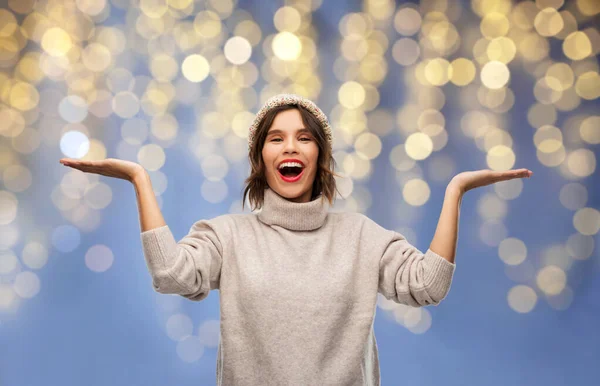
298 288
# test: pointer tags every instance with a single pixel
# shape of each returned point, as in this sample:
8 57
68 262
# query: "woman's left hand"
466 181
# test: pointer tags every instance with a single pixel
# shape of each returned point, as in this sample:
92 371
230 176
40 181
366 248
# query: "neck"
278 210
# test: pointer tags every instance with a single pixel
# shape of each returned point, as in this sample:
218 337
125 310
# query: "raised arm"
190 267
149 212
446 234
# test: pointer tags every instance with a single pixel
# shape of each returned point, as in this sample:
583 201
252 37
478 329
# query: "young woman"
298 284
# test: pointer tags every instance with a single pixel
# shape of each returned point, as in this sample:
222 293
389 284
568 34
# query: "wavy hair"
324 183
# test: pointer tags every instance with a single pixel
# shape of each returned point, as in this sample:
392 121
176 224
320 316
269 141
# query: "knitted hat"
290 99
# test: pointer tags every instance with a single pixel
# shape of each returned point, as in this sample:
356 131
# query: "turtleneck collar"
296 216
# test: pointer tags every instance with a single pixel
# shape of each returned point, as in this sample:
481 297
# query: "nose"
290 146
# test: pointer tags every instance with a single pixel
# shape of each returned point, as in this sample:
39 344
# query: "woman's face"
286 139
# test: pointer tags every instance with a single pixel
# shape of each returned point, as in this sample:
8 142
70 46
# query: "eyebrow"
278 131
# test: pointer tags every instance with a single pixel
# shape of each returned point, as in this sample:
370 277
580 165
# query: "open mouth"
291 173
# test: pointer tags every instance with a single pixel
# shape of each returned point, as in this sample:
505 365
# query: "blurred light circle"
588 7
286 46
209 333
151 156
98 195
587 221
551 279
287 18
134 131
351 95
17 178
96 57
56 41
8 207
26 284
74 144
522 298
163 67
494 24
214 167
418 146
35 255
237 50
195 68
438 71
406 51
91 7
214 191
368 145
66 238
581 162
416 192
189 349
548 22
8 262
512 251
73 108
462 71
407 21
99 258
153 8
24 96
577 46
179 327
589 130
125 104
501 49
495 74
8 23
588 85
500 157
579 246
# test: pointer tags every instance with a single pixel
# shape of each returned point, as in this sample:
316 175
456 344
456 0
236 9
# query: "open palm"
111 167
466 181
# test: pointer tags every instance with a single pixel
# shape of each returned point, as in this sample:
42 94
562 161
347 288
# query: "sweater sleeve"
406 275
190 267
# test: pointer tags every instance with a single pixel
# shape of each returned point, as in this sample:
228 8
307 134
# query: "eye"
279 139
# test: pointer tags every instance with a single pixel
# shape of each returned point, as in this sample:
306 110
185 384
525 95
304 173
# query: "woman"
298 284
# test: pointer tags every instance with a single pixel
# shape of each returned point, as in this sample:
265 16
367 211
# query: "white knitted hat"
290 99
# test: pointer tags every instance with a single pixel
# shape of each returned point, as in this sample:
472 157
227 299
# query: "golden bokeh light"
500 157
438 71
462 71
406 51
548 22
418 146
195 68
494 75
501 49
286 46
416 192
588 7
590 130
56 41
494 24
287 19
577 46
581 162
407 21
588 85
522 298
587 221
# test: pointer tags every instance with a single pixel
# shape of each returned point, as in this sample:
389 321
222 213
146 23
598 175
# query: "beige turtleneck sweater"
298 288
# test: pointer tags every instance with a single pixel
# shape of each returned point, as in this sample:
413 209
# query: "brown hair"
324 181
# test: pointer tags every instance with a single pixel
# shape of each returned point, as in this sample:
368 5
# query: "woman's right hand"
111 167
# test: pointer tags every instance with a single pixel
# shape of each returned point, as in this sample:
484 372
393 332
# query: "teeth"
297 164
